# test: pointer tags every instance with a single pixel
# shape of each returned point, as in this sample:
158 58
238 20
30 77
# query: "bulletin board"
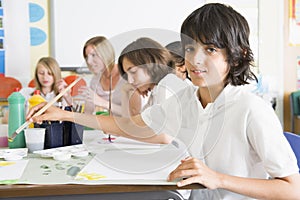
294 22
2 40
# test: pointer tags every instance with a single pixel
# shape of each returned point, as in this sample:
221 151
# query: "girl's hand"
52 113
192 170
61 85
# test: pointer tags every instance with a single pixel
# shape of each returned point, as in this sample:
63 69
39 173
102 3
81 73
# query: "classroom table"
75 189
17 191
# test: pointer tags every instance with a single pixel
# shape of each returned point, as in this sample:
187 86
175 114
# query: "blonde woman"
99 55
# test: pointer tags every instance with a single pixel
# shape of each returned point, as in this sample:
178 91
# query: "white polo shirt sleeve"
165 117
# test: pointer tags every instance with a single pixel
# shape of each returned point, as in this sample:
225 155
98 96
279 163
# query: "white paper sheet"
132 165
97 138
12 170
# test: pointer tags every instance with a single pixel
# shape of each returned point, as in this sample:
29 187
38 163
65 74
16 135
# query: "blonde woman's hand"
90 96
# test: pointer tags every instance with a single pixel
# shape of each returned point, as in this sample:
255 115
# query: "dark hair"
148 54
177 53
220 25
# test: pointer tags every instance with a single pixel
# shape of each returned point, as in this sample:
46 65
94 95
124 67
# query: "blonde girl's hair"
52 66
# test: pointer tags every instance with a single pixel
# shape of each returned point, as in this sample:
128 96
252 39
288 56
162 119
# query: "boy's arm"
198 172
133 127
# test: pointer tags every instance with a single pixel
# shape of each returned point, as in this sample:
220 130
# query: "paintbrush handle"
50 103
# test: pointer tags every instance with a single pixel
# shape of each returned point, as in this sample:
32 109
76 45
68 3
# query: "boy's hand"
53 113
192 170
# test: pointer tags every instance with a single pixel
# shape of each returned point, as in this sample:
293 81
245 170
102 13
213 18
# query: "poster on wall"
2 52
298 72
294 22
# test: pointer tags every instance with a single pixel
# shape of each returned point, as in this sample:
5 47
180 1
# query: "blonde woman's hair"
103 48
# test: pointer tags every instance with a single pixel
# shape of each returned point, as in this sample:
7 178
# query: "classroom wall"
26 25
17 42
276 60
290 53
39 35
271 13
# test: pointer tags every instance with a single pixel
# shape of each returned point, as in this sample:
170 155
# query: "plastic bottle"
16 106
35 100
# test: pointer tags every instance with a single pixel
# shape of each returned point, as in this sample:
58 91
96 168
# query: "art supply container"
35 139
3 135
35 100
16 117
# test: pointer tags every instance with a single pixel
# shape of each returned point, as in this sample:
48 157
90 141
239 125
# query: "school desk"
42 182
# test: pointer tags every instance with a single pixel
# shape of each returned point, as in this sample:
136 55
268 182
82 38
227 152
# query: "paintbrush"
43 109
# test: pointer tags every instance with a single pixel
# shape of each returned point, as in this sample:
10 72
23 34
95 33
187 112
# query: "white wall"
17 40
271 41
75 21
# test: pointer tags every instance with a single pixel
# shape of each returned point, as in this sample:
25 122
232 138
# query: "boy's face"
206 64
137 77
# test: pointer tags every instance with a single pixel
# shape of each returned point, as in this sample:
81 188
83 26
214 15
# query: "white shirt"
27 92
166 87
97 87
238 134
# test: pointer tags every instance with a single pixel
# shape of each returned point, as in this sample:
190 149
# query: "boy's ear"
244 56
245 53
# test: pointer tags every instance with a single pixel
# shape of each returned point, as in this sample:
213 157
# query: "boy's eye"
133 70
211 49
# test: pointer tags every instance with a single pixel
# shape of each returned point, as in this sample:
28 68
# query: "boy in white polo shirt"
236 142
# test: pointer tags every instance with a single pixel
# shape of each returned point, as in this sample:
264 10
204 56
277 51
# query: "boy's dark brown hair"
148 54
220 25
177 53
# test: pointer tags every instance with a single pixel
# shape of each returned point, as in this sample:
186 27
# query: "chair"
7 86
31 83
294 141
295 108
69 79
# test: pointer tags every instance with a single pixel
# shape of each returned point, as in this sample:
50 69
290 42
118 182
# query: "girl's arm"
198 172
